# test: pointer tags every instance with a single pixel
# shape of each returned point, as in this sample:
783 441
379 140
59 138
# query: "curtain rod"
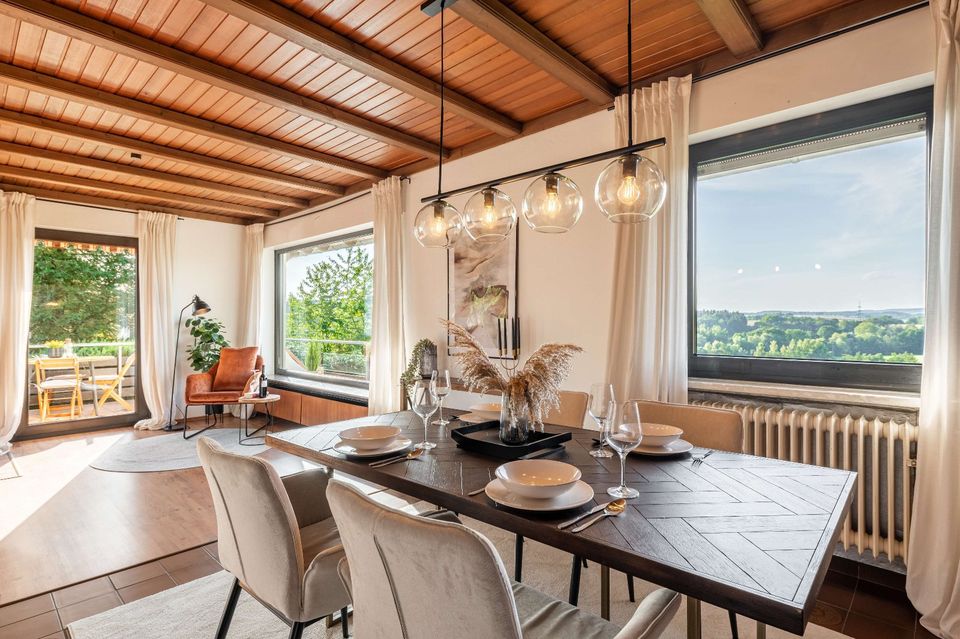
326 206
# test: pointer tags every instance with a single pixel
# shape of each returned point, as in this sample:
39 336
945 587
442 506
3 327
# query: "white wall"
208 257
565 288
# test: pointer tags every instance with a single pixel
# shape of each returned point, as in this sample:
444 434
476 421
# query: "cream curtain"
157 233
17 221
386 342
933 573
248 333
647 356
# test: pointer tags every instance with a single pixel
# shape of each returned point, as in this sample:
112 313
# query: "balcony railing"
333 357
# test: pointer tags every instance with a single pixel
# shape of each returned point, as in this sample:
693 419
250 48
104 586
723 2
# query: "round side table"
247 406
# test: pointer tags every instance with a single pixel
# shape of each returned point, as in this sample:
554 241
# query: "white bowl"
490 410
370 437
538 478
660 434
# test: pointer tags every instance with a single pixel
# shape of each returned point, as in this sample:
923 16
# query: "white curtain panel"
647 356
386 342
248 333
17 222
157 233
933 573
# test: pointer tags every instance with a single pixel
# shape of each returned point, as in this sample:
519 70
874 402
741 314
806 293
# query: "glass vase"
514 425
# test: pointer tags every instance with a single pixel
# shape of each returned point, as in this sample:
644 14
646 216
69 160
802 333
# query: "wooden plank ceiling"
247 110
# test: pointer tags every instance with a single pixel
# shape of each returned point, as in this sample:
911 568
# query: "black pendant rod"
553 168
629 73
440 145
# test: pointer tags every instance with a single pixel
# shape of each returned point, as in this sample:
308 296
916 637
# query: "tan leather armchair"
224 383
276 537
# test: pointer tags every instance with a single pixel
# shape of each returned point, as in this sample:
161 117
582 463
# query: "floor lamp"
199 308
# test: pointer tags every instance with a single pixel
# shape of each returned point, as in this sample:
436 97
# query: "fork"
699 460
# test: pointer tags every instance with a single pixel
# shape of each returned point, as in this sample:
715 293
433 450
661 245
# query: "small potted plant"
54 347
208 339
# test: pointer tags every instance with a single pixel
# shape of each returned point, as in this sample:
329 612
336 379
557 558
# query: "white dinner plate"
397 446
474 418
677 447
580 494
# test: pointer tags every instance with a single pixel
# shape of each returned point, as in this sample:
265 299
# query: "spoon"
413 454
594 510
613 509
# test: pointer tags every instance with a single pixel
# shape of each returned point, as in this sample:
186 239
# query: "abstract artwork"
482 287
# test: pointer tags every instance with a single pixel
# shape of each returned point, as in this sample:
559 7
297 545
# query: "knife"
541 453
592 511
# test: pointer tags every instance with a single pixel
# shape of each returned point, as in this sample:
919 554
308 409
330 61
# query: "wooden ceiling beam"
110 203
127 170
161 197
72 91
150 149
82 27
315 37
734 23
511 30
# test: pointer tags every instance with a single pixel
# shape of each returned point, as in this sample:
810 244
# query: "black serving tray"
484 438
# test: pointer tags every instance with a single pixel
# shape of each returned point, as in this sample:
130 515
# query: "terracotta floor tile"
838 589
184 559
146 588
56 635
923 633
195 571
213 550
132 576
883 577
25 609
862 627
32 627
85 590
88 608
884 603
845 566
828 616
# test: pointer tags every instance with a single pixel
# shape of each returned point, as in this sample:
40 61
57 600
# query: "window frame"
864 375
279 306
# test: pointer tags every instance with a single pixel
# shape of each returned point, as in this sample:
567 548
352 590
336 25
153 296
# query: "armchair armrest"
307 491
197 383
652 615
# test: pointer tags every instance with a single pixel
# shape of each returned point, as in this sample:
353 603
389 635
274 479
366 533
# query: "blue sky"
820 234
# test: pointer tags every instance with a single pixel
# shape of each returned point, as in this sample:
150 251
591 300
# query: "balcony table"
749 534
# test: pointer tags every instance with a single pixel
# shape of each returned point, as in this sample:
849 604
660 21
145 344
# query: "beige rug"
191 611
169 452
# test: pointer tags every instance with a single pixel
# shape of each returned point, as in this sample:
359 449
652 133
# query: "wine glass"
603 405
423 401
442 390
623 435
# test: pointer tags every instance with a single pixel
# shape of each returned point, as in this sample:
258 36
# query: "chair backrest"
44 364
257 533
415 577
717 428
572 410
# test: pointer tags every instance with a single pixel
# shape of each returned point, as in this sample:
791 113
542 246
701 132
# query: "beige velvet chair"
417 578
277 537
716 428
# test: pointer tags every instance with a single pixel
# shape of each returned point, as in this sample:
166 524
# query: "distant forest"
864 336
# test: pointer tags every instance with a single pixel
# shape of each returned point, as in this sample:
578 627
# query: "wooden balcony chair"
49 386
110 386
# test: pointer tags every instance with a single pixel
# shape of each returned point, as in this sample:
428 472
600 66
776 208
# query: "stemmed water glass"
623 435
603 405
423 401
442 390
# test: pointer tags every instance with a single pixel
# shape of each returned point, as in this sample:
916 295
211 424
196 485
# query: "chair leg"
574 595
733 625
344 623
630 592
296 630
227 616
518 559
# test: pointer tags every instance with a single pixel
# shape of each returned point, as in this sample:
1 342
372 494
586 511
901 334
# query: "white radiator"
879 449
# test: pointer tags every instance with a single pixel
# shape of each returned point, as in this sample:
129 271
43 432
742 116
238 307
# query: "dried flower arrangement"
533 390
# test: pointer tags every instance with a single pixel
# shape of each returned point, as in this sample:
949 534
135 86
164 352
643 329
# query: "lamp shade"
631 189
438 225
489 216
552 204
199 306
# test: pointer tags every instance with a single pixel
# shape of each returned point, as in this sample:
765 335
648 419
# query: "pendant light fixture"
631 188
489 216
438 224
552 204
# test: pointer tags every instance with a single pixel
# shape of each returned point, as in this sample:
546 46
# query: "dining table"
749 534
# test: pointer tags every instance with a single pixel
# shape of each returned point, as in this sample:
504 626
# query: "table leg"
693 618
761 630
605 592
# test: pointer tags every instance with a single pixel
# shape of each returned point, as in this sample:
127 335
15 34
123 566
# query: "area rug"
168 452
192 611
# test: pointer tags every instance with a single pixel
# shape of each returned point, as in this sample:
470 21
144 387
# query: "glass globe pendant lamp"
489 216
437 225
630 189
552 204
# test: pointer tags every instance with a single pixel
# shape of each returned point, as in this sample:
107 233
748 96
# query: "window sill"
337 392
832 395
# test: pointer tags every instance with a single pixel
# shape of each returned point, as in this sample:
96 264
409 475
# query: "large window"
324 299
808 248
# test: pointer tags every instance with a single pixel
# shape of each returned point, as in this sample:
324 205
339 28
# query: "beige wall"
565 287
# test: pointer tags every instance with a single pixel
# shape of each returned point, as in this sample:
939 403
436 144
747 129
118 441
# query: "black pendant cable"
629 72
440 149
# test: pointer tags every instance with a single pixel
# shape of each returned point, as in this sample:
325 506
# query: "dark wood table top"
749 534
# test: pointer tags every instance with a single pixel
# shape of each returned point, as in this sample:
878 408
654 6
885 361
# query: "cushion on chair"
225 397
55 384
542 616
235 367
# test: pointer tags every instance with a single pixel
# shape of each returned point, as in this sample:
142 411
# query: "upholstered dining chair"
224 383
276 537
419 578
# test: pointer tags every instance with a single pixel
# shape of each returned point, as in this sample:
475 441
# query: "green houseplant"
208 339
414 365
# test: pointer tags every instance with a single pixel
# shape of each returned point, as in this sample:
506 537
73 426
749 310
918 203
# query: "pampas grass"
534 390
